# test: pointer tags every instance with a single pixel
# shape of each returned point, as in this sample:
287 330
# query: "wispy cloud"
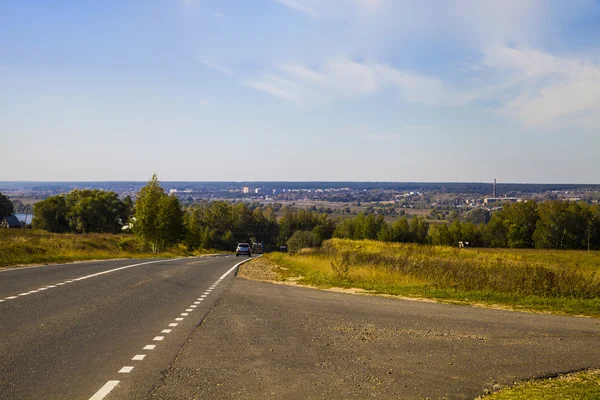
212 65
528 85
316 8
204 103
543 88
345 79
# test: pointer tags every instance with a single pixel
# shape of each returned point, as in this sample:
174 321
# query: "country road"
130 329
80 331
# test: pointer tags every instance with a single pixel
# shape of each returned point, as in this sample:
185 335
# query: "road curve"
81 331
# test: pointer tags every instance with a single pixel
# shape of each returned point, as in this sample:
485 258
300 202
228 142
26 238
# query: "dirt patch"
259 269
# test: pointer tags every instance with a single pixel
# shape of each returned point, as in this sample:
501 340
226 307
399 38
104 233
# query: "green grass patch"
583 385
562 282
22 247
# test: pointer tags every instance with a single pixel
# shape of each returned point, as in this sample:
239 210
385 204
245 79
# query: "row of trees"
160 221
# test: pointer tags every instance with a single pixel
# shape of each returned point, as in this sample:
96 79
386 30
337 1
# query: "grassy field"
562 282
581 386
21 247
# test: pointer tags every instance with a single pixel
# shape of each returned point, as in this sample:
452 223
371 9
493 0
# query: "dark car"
243 249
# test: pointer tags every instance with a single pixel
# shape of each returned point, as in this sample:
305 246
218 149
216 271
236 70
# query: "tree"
51 214
6 206
478 216
159 219
95 211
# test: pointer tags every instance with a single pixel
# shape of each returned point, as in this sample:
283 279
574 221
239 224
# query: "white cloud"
344 79
317 8
528 85
542 88
204 103
215 66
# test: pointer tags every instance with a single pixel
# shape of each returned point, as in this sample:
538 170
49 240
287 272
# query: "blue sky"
360 90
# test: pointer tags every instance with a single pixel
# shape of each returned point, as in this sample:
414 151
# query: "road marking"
179 319
125 370
2 301
189 309
158 338
62 283
203 296
196 302
166 331
173 324
138 357
93 275
11 297
193 306
104 390
184 314
150 347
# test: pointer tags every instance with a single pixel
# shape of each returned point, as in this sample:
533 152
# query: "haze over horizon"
300 90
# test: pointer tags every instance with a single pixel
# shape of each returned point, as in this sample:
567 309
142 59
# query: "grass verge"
23 247
583 385
559 282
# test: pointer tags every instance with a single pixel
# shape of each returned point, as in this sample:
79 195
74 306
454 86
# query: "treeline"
161 222
547 225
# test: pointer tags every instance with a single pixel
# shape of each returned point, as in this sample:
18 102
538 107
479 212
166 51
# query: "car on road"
243 249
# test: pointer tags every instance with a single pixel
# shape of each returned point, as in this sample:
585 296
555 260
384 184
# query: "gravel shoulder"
279 341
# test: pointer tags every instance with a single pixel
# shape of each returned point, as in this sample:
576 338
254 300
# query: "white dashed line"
110 385
104 390
184 314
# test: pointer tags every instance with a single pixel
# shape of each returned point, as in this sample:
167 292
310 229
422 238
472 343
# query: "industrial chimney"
494 192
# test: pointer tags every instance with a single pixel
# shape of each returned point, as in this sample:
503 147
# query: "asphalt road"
74 331
287 342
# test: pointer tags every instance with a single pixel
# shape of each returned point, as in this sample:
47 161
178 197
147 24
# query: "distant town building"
246 189
490 200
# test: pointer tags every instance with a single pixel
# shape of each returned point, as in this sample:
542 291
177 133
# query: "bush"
302 240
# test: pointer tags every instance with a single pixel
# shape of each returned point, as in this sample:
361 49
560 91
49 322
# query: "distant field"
21 247
565 282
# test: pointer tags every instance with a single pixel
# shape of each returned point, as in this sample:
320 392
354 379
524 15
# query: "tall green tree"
159 219
6 206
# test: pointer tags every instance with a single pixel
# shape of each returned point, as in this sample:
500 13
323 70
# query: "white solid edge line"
234 267
104 390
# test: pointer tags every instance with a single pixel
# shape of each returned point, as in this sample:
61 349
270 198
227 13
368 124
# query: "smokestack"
494 193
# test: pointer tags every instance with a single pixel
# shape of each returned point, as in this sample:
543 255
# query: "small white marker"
138 357
203 296
125 370
189 310
196 302
193 306
184 314
149 347
179 319
165 331
158 338
173 324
